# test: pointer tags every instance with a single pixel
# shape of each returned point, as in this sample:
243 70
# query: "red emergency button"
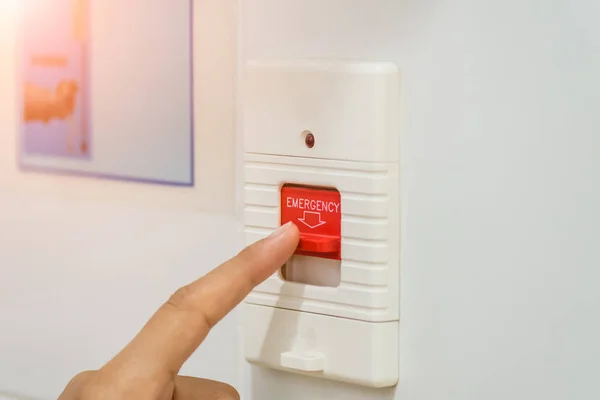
318 214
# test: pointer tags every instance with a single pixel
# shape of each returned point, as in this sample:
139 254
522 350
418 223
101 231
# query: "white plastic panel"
315 345
370 234
349 107
336 323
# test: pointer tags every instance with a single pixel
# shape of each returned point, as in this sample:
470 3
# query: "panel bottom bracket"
357 352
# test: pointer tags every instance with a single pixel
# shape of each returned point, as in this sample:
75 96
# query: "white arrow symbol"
312 219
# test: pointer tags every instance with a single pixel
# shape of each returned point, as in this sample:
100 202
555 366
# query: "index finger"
179 326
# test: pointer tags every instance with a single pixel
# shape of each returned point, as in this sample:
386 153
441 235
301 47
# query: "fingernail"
280 231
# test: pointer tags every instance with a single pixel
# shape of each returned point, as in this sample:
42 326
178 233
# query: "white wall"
84 262
500 175
500 169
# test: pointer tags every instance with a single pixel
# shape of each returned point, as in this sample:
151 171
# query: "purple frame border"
73 173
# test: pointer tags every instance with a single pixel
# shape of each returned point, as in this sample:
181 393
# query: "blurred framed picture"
106 89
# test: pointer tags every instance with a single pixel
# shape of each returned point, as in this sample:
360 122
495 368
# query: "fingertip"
285 238
268 254
292 230
289 229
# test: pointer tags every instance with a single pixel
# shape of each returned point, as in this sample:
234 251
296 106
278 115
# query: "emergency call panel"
321 144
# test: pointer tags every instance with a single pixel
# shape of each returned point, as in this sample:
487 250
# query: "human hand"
147 368
43 105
